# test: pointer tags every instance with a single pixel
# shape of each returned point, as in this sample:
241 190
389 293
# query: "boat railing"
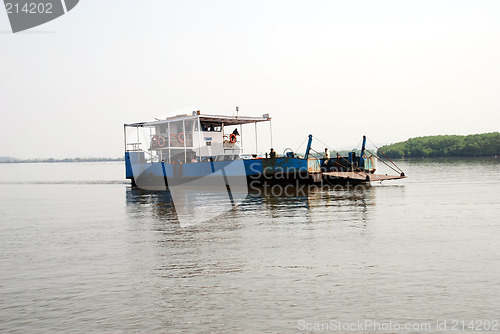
136 147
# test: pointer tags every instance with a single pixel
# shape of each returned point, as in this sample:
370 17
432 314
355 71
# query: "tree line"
485 144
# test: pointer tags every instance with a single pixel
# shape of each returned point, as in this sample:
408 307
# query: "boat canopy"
226 120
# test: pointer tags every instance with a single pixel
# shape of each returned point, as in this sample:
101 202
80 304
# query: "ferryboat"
183 148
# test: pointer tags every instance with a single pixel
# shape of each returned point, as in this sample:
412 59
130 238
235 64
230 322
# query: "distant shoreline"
50 160
29 161
451 157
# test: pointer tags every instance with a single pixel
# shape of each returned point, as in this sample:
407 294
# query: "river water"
81 251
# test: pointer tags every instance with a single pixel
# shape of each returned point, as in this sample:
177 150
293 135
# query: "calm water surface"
81 251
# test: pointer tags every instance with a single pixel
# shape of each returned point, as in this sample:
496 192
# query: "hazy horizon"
369 145
390 70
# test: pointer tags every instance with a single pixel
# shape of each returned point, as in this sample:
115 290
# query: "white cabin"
189 138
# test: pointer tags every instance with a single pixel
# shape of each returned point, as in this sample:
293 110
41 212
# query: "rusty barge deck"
360 176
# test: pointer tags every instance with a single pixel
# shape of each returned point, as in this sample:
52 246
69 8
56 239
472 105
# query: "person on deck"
235 132
327 157
272 154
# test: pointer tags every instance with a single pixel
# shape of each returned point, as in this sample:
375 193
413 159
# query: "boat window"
188 136
189 125
211 127
161 128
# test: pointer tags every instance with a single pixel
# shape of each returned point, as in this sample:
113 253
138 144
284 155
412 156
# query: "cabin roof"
227 120
233 120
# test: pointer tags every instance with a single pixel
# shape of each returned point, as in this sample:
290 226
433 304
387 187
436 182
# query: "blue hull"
283 168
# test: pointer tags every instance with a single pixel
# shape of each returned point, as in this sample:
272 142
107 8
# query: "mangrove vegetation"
485 144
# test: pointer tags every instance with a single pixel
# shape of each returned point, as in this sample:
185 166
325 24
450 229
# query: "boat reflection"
305 200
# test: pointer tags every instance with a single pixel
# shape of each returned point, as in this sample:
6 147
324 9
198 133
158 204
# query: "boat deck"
360 176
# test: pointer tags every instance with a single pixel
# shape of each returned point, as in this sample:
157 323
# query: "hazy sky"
336 69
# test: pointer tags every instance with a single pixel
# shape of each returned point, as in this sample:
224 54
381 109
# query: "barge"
185 149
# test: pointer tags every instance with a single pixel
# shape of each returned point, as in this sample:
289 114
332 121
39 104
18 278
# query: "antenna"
237 111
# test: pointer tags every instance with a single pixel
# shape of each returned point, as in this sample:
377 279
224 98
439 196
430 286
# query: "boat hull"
255 172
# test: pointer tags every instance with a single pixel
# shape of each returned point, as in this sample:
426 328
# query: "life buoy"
161 141
154 141
232 138
183 137
174 138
